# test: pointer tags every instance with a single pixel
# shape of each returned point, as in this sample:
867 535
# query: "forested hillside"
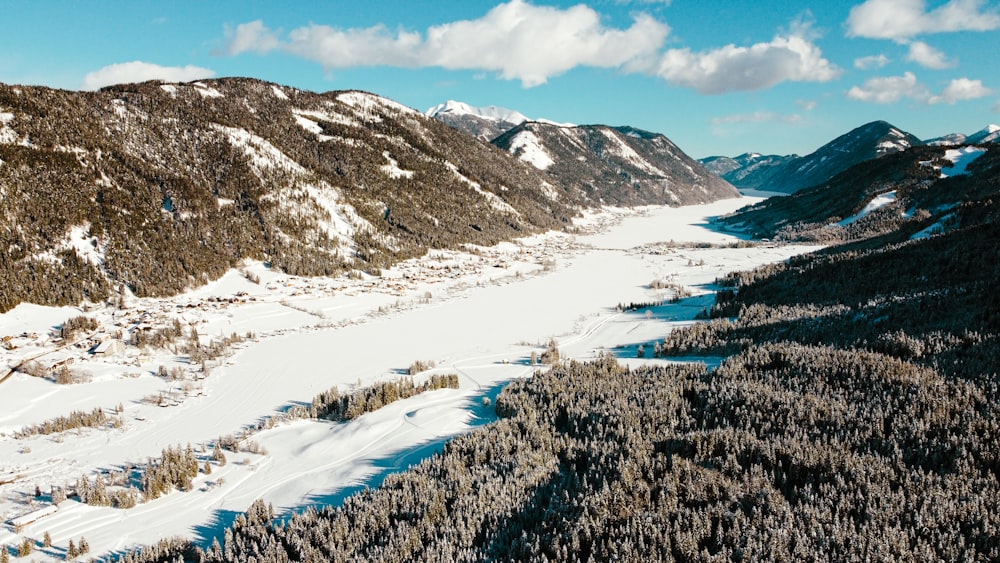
614 165
913 193
159 187
791 173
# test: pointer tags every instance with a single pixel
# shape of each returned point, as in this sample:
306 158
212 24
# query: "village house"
109 347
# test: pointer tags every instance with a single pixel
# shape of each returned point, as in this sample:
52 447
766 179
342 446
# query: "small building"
110 347
21 521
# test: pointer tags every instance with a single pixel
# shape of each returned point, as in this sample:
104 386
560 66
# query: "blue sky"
716 77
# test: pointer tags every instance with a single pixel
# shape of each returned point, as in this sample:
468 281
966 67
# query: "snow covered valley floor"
478 314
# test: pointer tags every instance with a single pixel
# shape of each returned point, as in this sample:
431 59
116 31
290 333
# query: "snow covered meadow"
479 314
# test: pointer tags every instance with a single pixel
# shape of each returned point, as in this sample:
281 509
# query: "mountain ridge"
791 173
918 193
988 134
614 165
158 187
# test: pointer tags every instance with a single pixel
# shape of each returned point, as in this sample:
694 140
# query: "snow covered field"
479 314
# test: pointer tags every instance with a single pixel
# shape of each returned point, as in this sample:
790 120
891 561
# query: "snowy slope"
495 113
482 122
485 123
614 165
791 173
989 134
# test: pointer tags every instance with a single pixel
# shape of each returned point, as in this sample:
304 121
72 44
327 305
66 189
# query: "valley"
479 314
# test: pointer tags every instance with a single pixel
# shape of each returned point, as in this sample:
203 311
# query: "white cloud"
889 89
807 105
757 117
139 71
660 2
961 89
927 56
902 19
731 68
521 41
870 62
250 36
517 40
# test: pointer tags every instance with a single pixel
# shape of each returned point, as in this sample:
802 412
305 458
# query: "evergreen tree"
25 548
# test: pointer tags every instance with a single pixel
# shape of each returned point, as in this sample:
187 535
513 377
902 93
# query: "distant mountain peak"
485 123
454 108
989 134
792 172
614 165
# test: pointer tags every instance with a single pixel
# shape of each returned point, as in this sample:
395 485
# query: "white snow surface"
526 146
7 134
490 112
263 155
392 169
207 91
961 159
278 92
479 314
877 202
368 102
949 139
85 246
988 134
308 124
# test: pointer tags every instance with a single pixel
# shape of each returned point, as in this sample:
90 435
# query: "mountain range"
906 195
608 165
154 188
989 134
483 123
614 165
790 173
748 171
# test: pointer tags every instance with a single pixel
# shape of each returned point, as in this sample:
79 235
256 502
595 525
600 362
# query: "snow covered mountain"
748 170
452 107
989 134
162 187
792 173
485 123
614 165
915 193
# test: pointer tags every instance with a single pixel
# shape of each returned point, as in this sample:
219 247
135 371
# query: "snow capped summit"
792 172
451 107
614 165
946 140
989 134
487 123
